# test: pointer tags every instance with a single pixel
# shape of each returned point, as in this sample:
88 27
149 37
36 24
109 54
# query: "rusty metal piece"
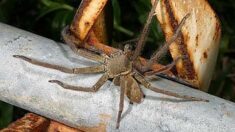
102 27
198 41
29 123
34 123
86 16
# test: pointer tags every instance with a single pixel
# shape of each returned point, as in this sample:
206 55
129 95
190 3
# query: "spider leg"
116 81
157 55
93 69
90 55
144 82
131 41
144 33
163 69
72 41
121 104
94 88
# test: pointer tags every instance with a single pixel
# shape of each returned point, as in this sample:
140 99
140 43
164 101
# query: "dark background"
48 17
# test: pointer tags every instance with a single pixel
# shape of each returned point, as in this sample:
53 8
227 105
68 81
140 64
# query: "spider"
119 66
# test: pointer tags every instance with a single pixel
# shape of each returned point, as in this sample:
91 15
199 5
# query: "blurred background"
48 17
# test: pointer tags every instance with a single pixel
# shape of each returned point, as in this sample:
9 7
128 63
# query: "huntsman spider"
120 67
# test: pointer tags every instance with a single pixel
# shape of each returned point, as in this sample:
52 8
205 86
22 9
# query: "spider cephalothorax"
119 66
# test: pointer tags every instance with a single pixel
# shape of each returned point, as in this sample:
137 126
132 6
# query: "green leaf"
50 7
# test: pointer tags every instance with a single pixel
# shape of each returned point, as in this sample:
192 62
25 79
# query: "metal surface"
198 40
26 85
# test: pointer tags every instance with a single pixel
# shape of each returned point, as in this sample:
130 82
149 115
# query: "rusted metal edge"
31 122
86 16
198 41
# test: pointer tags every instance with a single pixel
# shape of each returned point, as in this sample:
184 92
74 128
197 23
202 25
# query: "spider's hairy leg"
164 68
121 103
116 81
71 41
90 55
93 69
94 88
144 33
157 55
148 85
131 42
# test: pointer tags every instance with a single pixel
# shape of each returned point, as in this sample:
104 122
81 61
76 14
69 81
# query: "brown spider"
119 67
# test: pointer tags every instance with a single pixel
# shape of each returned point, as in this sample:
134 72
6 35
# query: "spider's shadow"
155 98
129 109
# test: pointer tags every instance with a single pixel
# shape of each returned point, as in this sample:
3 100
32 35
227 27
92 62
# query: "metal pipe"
26 86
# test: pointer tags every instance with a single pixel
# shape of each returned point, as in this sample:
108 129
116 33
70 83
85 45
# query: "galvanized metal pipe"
26 86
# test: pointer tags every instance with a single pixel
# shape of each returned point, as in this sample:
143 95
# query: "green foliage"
48 17
55 14
222 85
5 114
